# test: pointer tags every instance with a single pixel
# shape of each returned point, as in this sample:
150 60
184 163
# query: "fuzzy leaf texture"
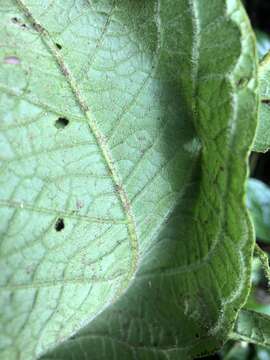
252 327
125 131
262 139
258 201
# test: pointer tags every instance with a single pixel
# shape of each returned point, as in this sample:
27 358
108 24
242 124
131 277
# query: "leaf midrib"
100 140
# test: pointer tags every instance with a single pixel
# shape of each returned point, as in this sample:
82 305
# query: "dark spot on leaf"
64 70
266 101
12 60
242 82
29 269
61 123
38 27
18 22
59 225
118 188
197 336
58 46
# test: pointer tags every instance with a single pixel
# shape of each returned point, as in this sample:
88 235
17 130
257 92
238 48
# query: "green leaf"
125 132
252 327
258 201
264 261
259 301
262 139
259 296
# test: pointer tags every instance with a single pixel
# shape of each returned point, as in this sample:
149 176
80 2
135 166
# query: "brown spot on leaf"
65 71
38 27
79 204
29 269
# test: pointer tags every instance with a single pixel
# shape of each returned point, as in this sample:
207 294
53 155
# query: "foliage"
262 140
258 202
252 327
126 128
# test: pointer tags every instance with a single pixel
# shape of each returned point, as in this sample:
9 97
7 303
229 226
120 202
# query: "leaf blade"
258 196
179 184
261 143
252 327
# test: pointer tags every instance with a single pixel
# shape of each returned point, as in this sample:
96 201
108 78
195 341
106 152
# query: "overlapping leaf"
259 205
262 139
252 327
125 130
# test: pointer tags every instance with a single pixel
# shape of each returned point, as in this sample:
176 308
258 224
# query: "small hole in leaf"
59 225
58 46
18 22
266 101
61 123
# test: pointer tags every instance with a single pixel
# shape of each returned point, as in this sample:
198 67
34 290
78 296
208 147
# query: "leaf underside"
258 202
262 138
252 327
125 131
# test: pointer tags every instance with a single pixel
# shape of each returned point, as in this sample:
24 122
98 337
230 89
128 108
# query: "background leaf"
258 196
262 139
252 327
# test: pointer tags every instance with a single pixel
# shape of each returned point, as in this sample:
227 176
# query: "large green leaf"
125 131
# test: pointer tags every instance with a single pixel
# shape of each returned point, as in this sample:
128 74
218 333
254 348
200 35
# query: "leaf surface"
258 201
262 139
125 131
252 327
